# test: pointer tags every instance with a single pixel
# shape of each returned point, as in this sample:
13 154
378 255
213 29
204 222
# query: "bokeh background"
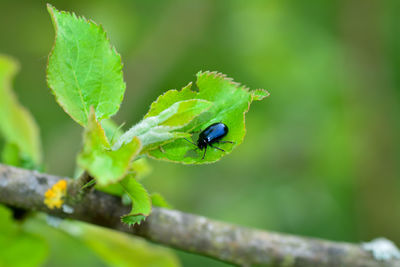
321 154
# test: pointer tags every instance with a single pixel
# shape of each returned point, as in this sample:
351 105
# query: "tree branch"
234 244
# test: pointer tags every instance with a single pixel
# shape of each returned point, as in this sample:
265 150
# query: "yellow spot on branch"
54 196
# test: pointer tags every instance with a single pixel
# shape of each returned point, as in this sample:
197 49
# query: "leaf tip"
52 11
50 7
259 94
199 73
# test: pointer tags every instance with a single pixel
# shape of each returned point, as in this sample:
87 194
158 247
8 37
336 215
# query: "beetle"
211 135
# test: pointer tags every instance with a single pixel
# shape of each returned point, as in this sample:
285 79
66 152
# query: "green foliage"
85 74
106 165
19 248
329 121
141 201
111 129
84 70
10 155
117 249
164 126
230 103
17 125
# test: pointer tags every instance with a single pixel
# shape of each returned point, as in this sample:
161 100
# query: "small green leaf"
159 201
106 165
141 201
84 70
230 103
17 125
164 126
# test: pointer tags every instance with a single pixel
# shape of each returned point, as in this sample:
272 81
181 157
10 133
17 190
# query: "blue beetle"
210 135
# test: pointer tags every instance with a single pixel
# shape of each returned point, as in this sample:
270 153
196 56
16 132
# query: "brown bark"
234 244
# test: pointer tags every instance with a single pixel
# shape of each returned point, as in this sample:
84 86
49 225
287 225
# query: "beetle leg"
205 150
217 148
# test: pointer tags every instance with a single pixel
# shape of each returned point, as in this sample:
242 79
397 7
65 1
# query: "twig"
85 182
234 244
78 188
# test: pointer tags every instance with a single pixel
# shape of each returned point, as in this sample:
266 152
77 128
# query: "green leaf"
106 165
6 221
164 126
112 130
11 155
230 103
84 70
112 189
17 125
141 168
159 201
118 249
141 201
259 94
18 247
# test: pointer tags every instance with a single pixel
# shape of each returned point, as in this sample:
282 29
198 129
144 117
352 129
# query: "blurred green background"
322 154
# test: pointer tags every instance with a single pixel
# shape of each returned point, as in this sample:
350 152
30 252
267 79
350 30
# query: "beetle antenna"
190 141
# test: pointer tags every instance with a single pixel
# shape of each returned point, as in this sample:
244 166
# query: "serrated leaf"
141 201
164 126
17 125
106 165
230 103
84 70
158 200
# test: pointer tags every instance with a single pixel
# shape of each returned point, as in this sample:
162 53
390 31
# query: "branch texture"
234 244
